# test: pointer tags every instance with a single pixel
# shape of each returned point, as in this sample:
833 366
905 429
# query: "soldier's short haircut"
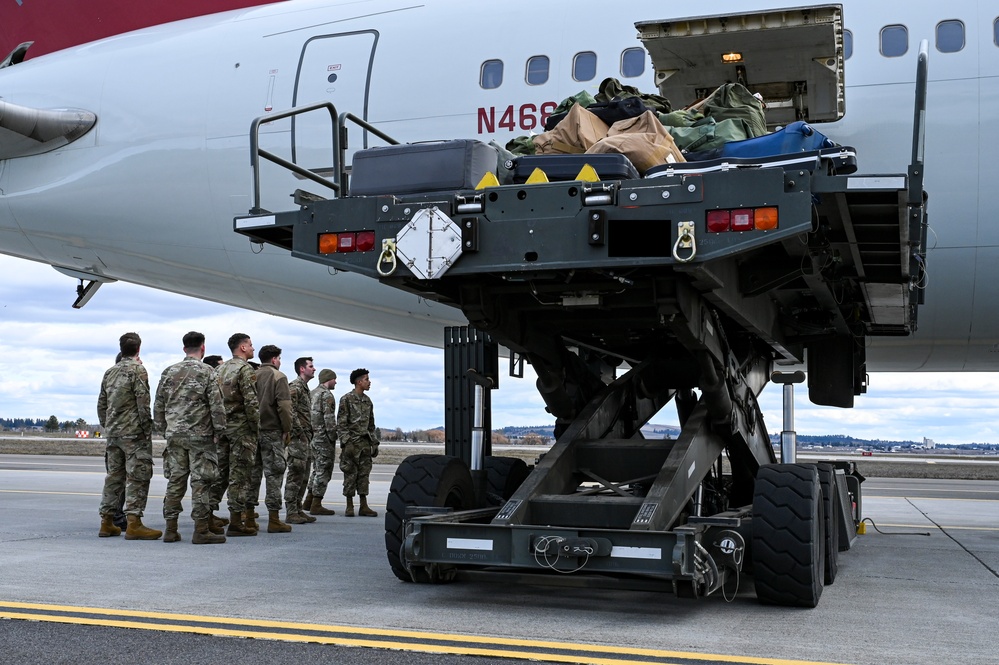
268 352
357 373
236 340
214 361
129 344
117 358
300 363
193 341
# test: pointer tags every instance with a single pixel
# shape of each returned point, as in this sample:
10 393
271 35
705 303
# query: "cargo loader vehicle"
695 286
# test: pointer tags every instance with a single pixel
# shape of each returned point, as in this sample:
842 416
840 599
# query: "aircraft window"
537 70
632 62
847 44
950 36
584 66
894 41
491 74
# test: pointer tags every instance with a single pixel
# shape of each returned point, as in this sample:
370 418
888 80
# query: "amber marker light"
765 219
327 243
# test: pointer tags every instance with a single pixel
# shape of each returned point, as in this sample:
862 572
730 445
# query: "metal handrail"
256 152
338 124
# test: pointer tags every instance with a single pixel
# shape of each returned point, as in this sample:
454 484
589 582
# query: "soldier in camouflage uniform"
323 440
242 414
275 431
358 442
123 411
299 459
188 409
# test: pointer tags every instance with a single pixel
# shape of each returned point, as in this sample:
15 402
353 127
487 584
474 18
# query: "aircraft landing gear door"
337 69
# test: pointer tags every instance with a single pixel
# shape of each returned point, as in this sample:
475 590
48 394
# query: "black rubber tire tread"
423 480
788 543
505 474
830 505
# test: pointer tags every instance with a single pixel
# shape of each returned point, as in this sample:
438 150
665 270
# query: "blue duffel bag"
796 137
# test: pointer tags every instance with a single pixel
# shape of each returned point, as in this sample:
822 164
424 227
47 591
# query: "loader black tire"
504 475
423 480
830 506
788 538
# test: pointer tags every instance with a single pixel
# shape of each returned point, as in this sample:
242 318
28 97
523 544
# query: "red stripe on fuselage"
57 24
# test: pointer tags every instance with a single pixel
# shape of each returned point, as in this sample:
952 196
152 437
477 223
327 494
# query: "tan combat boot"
108 528
365 511
171 535
307 501
317 508
236 527
292 514
274 523
250 520
203 536
350 507
138 531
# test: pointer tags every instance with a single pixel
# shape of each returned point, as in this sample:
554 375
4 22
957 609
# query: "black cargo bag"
566 167
609 112
415 168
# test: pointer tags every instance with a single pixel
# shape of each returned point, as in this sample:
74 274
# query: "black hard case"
608 166
414 168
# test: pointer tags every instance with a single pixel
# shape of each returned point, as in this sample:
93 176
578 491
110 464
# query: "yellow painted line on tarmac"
933 526
580 653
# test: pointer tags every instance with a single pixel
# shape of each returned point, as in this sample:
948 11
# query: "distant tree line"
50 424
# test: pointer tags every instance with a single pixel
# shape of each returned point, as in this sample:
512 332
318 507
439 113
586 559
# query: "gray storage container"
415 168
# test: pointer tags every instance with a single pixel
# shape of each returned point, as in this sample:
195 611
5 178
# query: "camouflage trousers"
191 458
222 479
324 454
272 465
298 470
355 462
242 445
129 466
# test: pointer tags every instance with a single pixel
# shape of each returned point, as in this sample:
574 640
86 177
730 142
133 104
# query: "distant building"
929 444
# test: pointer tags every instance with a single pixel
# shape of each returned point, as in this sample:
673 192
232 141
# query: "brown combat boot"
236 527
293 516
274 523
138 531
350 507
309 519
214 521
250 520
171 535
365 511
307 501
108 529
204 536
317 508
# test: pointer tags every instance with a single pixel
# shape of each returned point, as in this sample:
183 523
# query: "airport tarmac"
922 590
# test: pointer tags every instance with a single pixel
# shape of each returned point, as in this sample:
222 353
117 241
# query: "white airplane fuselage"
149 194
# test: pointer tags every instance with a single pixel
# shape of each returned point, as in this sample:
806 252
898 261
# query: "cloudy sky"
56 356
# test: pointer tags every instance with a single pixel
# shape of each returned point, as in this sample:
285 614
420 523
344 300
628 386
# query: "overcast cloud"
56 356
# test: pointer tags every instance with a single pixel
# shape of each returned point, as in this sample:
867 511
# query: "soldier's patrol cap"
326 375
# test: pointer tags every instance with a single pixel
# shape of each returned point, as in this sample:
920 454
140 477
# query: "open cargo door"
792 57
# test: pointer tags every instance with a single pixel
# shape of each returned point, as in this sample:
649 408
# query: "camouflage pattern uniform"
222 454
298 448
123 411
356 428
242 415
275 422
324 439
189 410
